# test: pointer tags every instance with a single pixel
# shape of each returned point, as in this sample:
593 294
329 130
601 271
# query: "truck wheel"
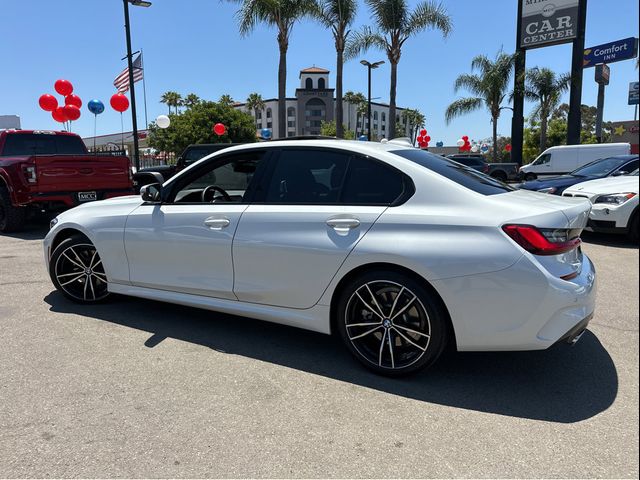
530 177
11 218
499 176
633 228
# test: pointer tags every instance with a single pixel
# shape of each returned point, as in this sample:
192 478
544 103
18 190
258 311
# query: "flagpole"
144 90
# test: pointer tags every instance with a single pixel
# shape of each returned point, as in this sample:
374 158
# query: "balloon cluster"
423 139
463 144
70 111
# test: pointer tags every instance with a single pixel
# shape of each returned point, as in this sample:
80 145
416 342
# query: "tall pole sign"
542 23
602 79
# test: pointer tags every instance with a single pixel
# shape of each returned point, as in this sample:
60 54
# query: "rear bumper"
523 307
62 200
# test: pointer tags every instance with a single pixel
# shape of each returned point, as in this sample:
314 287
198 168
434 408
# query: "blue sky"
194 46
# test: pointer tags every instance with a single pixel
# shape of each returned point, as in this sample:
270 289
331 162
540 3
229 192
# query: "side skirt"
315 318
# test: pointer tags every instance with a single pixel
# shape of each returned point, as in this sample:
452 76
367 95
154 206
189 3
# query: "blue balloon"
440 144
266 133
363 138
95 106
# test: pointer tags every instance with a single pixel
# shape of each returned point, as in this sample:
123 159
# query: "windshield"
465 176
600 167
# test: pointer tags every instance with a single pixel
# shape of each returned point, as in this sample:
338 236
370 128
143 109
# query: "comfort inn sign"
548 22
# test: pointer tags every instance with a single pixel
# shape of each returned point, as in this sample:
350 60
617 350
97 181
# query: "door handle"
217 223
343 224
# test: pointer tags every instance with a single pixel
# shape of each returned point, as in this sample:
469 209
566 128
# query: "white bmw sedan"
398 251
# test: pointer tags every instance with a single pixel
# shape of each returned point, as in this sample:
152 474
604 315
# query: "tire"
77 271
632 232
499 176
530 177
12 218
410 338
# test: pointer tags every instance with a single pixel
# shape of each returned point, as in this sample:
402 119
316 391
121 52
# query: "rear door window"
465 176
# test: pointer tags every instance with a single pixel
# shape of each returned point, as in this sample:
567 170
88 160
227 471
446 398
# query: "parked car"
614 204
44 171
563 159
605 167
501 171
398 251
190 155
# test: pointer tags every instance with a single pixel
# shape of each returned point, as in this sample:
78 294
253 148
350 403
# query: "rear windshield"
465 176
23 144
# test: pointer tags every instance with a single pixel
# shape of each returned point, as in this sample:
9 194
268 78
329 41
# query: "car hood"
607 185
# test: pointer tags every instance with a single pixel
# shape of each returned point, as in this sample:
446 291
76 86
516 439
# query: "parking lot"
135 388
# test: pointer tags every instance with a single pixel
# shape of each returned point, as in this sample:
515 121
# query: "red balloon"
59 115
48 102
420 139
72 112
465 138
219 129
423 132
63 87
508 147
119 102
73 100
427 139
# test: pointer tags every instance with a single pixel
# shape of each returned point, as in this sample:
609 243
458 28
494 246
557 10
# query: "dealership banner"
548 22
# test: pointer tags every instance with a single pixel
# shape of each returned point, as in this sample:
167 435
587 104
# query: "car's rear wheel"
11 218
391 323
77 271
499 176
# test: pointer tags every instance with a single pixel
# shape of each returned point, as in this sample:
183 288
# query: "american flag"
122 80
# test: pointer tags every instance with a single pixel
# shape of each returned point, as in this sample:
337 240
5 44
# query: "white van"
566 158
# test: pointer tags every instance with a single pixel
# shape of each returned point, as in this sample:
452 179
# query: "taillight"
30 174
543 241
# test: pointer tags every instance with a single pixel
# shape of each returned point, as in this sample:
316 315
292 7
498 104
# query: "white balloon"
475 148
460 142
163 121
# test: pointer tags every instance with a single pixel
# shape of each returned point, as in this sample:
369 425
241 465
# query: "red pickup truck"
51 171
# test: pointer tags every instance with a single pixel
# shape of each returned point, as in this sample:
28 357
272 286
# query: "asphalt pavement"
135 388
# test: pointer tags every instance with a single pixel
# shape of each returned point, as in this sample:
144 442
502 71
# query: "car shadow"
35 229
608 240
563 384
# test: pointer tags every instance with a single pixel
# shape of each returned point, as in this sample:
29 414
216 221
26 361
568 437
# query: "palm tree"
171 99
356 99
395 24
255 103
415 120
338 15
226 100
545 87
191 100
489 87
282 14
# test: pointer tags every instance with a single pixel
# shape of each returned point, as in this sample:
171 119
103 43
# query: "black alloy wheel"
77 271
391 323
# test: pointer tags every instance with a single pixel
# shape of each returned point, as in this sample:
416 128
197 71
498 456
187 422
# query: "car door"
315 206
184 243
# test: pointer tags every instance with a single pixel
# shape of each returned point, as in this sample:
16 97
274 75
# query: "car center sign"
548 22
625 49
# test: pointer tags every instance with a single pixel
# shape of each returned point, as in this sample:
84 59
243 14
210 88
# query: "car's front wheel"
77 271
391 323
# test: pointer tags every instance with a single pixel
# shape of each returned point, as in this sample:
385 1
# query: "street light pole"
370 66
134 120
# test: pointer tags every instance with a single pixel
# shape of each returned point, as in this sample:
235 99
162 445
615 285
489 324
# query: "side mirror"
620 172
151 193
